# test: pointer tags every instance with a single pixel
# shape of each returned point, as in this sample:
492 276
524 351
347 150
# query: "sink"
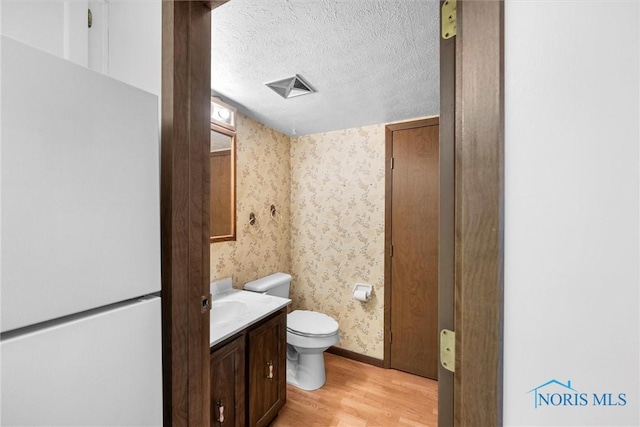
226 311
233 310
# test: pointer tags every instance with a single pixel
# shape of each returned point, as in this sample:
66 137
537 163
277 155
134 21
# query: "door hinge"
89 18
448 350
205 303
393 162
390 337
391 251
448 19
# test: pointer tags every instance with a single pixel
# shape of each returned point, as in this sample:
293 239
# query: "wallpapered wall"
333 235
263 179
337 230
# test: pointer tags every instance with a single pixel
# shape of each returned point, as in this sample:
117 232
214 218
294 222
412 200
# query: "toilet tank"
276 284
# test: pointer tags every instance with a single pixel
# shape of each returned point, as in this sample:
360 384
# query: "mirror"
223 184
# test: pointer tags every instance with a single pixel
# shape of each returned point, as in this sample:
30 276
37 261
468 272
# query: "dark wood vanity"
248 374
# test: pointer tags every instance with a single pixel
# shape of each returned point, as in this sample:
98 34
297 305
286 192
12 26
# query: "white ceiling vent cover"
291 87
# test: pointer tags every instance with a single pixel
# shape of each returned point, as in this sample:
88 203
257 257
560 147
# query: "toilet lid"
311 323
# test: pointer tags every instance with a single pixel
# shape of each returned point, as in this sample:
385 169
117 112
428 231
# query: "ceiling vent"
291 87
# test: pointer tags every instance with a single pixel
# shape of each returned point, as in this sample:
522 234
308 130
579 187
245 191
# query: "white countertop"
239 309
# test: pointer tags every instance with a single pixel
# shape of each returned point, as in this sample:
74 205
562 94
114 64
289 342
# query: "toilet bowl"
309 334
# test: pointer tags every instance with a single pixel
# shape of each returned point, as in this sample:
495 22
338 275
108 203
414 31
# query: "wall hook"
252 218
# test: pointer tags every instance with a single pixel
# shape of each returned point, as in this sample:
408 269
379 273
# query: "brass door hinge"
448 350
448 18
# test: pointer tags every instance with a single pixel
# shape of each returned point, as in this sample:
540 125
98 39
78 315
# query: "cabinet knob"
270 365
220 412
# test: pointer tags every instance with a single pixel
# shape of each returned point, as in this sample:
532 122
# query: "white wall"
135 43
57 27
38 24
125 41
572 298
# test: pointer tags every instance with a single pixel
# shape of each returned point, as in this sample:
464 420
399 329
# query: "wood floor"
357 394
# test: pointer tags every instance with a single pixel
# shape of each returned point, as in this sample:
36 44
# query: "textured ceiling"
372 61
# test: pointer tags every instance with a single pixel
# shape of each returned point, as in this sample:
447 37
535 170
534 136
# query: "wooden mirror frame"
232 234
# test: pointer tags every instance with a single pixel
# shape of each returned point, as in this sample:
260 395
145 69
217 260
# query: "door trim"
479 212
184 182
479 217
388 151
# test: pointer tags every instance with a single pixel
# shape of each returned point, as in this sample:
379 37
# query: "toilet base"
305 371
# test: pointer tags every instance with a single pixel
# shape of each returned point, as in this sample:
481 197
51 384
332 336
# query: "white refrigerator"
80 341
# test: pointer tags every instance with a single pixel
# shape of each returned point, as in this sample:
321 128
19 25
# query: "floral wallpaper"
337 231
328 232
262 180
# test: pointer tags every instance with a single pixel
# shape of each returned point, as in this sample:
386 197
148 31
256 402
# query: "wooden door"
414 247
267 370
227 385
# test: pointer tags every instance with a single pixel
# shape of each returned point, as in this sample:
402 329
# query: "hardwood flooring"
357 394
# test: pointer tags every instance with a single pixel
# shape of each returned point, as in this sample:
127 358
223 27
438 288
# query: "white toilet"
309 334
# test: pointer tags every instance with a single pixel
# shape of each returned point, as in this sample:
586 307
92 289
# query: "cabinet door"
227 385
267 370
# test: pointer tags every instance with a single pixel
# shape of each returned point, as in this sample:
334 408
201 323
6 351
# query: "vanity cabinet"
228 384
248 374
267 370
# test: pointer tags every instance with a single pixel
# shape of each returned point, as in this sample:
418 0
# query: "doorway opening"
478 221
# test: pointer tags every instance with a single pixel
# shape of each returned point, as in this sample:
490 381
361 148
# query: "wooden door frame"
388 182
479 211
184 182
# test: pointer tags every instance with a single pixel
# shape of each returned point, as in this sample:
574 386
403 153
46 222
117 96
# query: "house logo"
554 393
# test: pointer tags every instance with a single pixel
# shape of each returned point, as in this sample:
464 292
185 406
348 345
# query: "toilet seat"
307 323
